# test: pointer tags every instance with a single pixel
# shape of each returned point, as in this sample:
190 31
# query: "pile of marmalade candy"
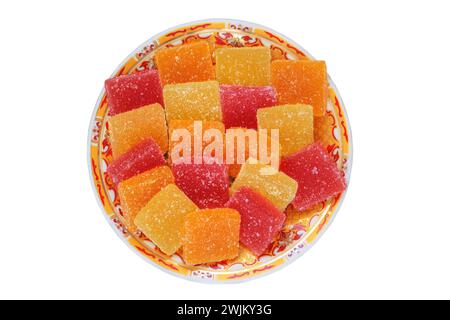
206 211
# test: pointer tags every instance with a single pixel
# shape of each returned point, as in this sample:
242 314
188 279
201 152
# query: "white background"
390 61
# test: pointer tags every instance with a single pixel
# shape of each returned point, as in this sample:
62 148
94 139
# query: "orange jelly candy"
295 123
129 128
211 235
134 193
186 63
194 134
248 66
301 81
162 218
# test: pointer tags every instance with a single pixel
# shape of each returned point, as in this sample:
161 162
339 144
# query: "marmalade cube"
193 101
277 187
260 219
247 66
131 91
301 81
129 128
317 175
211 235
134 193
186 63
295 123
162 218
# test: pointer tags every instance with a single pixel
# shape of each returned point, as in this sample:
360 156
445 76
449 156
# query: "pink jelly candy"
131 91
142 157
239 104
316 173
260 219
206 183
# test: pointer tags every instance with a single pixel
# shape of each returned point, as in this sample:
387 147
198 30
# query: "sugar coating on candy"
295 123
276 186
260 219
135 192
211 235
301 81
162 218
130 128
248 66
240 103
186 63
142 157
235 166
194 134
193 101
127 92
317 175
206 184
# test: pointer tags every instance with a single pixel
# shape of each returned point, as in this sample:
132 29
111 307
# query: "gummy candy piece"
194 134
239 104
193 101
295 122
234 166
186 63
142 157
316 173
162 218
129 128
211 235
131 91
249 66
260 219
323 129
276 186
301 81
135 192
206 184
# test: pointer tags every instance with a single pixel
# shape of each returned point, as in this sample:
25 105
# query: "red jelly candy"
239 104
206 183
316 173
142 157
131 91
260 219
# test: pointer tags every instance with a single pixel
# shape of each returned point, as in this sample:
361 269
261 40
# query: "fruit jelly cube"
189 125
235 165
295 123
127 92
162 218
129 128
142 157
206 184
211 235
324 129
317 175
185 63
260 219
239 104
301 81
135 192
248 66
276 186
193 101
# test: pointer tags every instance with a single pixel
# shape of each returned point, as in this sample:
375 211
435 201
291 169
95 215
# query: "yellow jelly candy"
129 128
295 123
301 81
162 218
186 63
134 193
193 101
274 185
248 66
211 235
